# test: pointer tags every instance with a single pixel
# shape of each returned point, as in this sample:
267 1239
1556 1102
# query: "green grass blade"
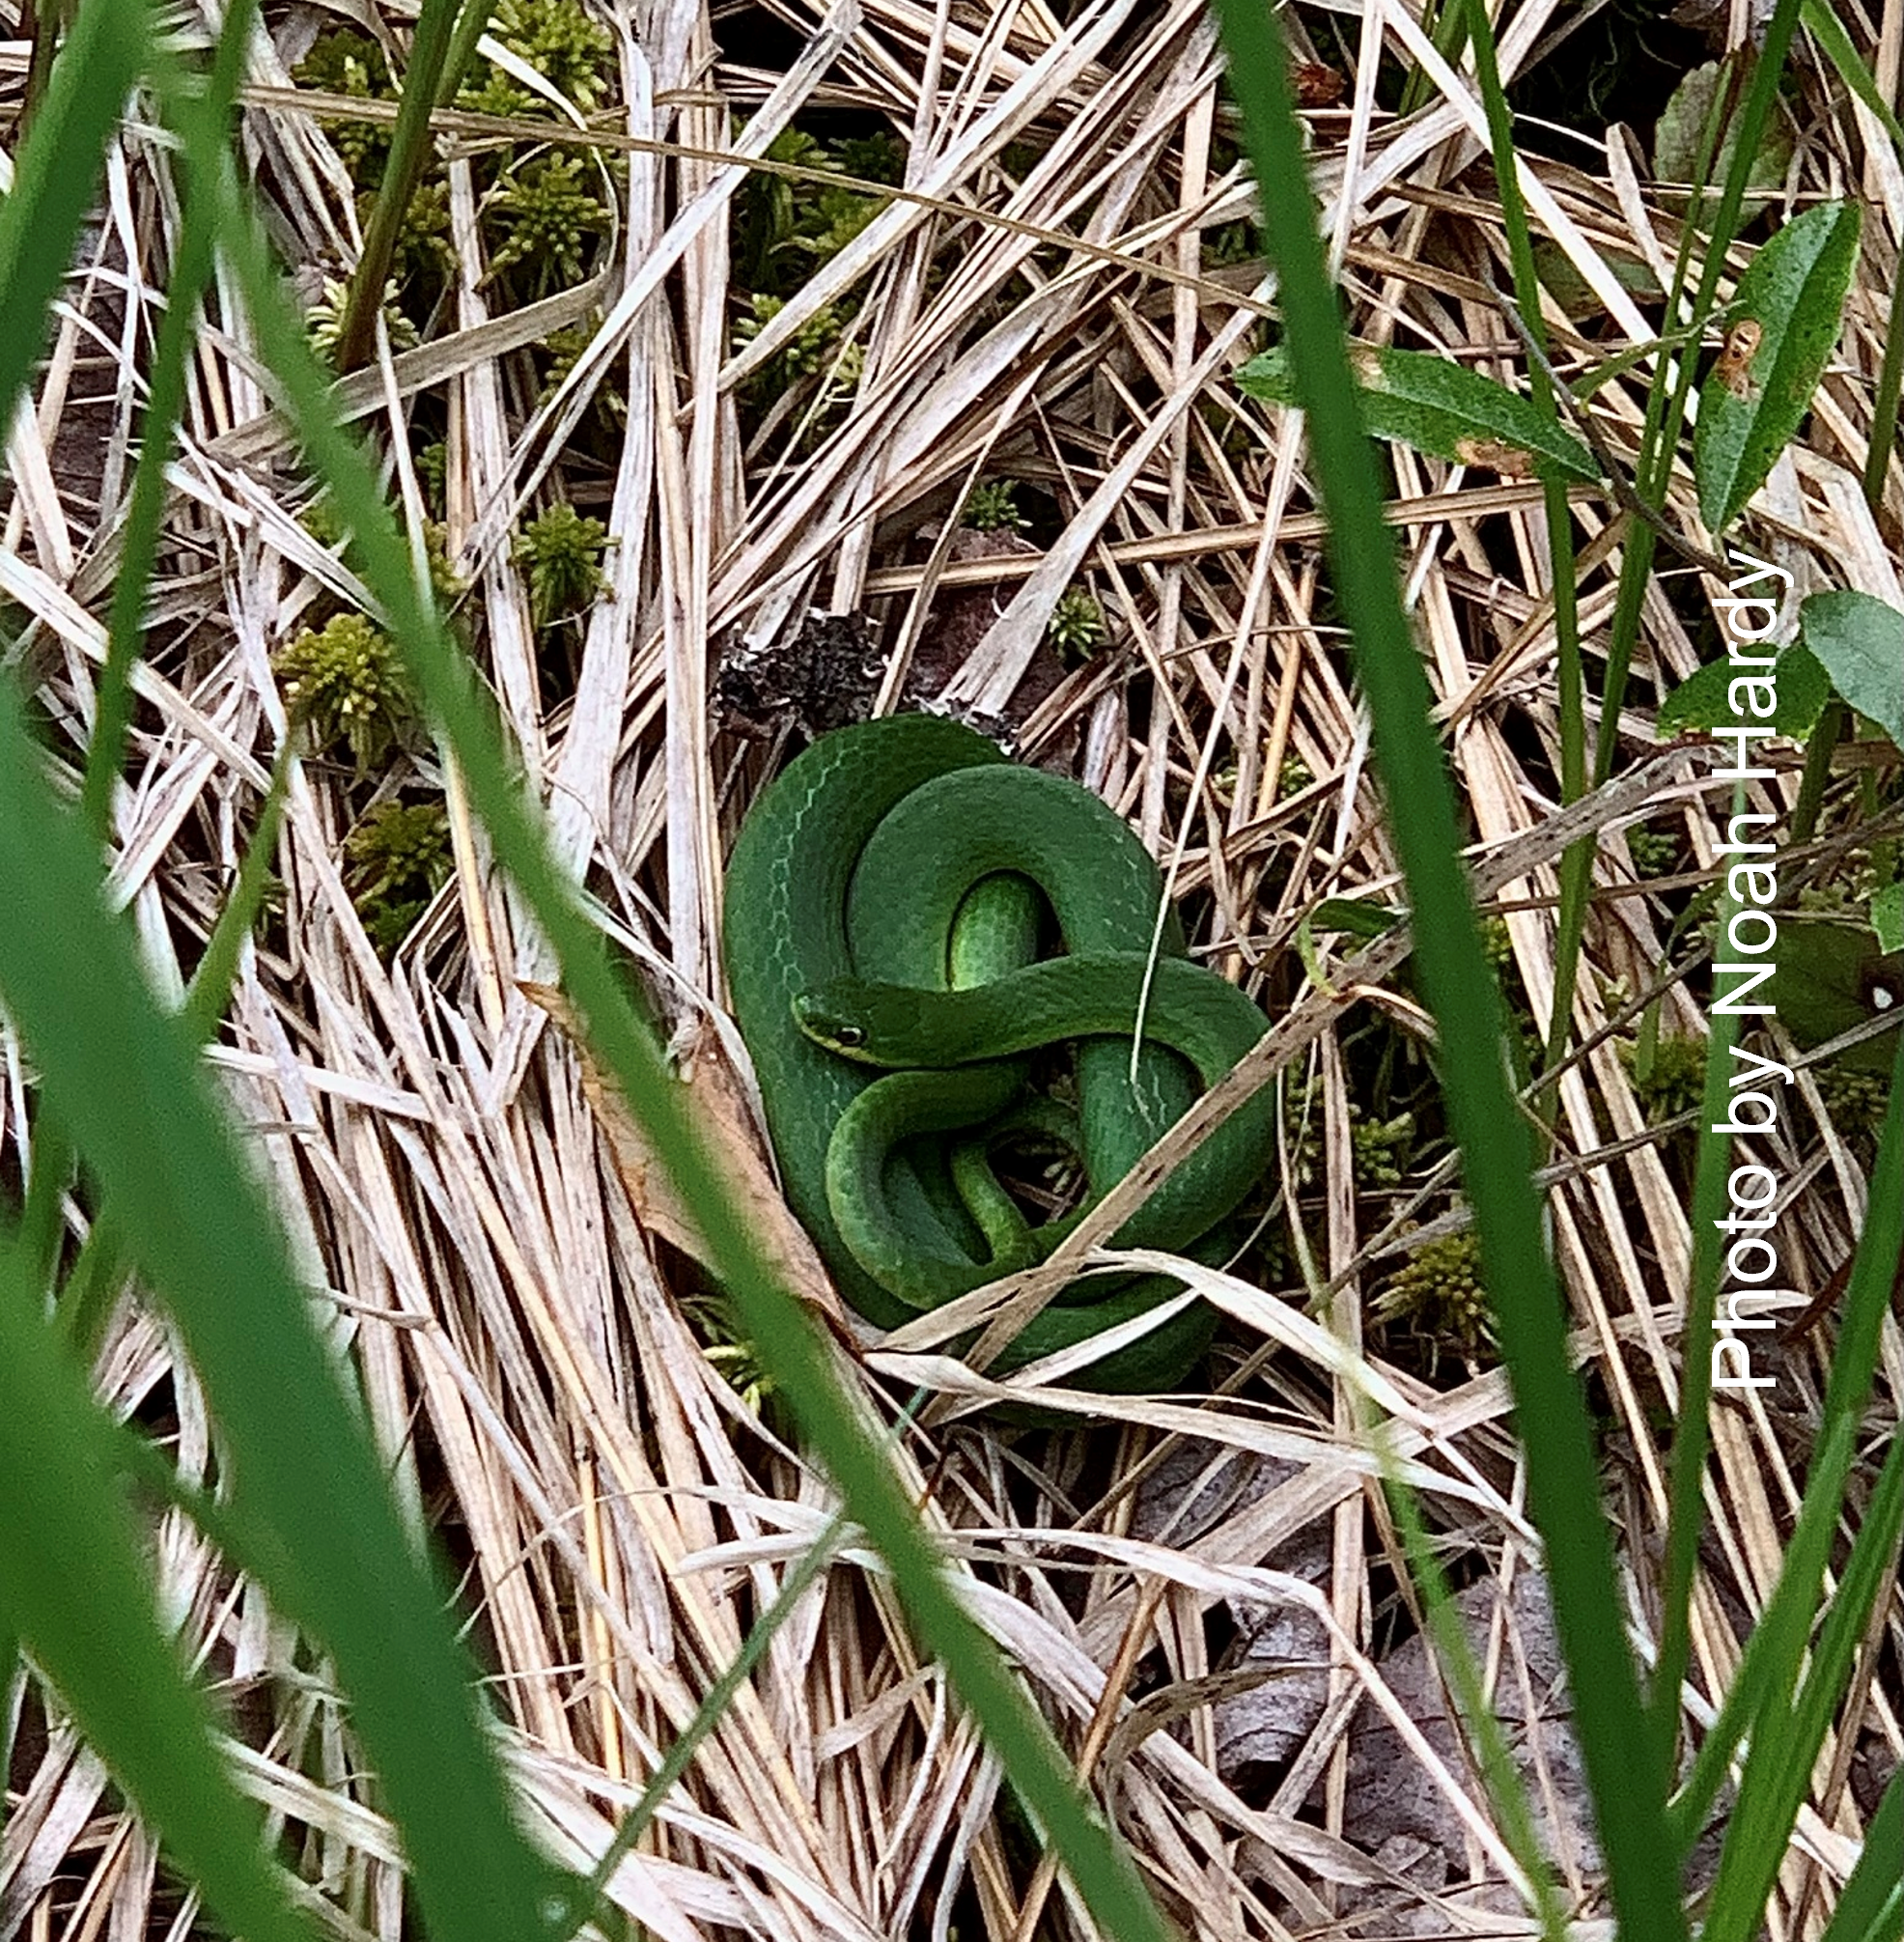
1768 1666
1871 1906
86 1302
191 271
73 1586
1691 1440
790 1343
1496 1151
125 1079
1786 1739
56 172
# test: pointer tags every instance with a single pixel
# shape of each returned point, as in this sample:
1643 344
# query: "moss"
1654 852
1380 1147
1856 1102
993 508
1439 1294
560 551
1674 1078
1078 628
345 61
562 42
324 319
346 684
546 221
396 859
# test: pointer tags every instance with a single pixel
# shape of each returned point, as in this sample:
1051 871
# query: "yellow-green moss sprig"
560 551
346 684
396 859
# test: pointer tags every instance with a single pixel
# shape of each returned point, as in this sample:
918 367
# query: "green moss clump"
346 684
324 322
561 553
345 61
1654 852
562 42
993 508
1855 1101
396 859
1439 1294
1674 1078
547 220
1380 1147
1078 628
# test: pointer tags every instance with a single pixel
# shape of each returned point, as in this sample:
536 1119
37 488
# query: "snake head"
874 1024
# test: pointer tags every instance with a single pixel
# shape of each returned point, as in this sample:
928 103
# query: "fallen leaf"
717 1105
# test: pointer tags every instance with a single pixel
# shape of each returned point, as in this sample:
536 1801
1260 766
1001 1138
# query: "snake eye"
848 1034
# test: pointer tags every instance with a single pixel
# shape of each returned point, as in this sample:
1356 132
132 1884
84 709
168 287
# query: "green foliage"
1790 304
993 507
727 1345
561 553
1439 1293
784 229
345 683
324 322
1682 131
1654 852
1859 641
1415 398
1380 1147
1704 698
562 42
1856 1099
398 857
545 219
1076 628
1670 1079
345 61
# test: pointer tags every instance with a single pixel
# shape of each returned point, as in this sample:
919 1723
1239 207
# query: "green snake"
886 903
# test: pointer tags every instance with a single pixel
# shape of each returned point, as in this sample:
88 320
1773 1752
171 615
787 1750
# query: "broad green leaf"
1859 641
1720 694
1888 918
1426 402
1784 325
1681 130
1832 978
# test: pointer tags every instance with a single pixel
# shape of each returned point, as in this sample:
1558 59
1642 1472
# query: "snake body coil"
879 919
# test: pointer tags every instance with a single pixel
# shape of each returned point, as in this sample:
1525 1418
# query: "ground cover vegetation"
654 388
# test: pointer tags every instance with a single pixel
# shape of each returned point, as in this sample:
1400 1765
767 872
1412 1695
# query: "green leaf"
1706 700
1792 295
1832 977
1357 916
1415 399
1681 132
1859 641
1888 918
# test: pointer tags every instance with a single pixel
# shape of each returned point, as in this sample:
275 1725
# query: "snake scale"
890 905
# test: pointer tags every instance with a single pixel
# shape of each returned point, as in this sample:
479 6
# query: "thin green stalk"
834 1421
410 155
1691 1440
191 272
587 1899
1871 1906
1767 1667
1818 771
1563 1489
1667 402
1577 870
1505 1788
1884 406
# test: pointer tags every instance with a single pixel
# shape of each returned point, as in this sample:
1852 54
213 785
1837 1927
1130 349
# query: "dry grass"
1041 304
